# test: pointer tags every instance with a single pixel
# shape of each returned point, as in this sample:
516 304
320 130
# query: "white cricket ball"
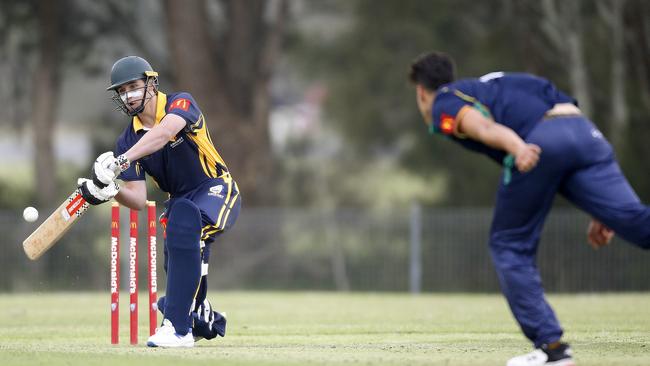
30 214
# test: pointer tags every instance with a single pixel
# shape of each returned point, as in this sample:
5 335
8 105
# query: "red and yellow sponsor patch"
447 124
182 104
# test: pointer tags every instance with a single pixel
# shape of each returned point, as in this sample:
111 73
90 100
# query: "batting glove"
208 323
95 195
103 172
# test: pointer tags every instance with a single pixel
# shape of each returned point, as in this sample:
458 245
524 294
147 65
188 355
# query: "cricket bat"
52 229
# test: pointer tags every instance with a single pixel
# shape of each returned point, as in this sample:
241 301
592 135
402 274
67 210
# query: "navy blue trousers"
219 203
577 162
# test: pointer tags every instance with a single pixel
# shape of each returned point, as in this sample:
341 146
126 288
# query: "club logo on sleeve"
181 103
447 123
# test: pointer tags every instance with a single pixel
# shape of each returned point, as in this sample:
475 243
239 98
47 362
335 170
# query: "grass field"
298 328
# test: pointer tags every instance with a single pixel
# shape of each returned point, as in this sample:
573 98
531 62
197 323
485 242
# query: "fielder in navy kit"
167 138
546 147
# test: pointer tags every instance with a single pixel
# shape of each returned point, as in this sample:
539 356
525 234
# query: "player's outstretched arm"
107 167
156 138
473 124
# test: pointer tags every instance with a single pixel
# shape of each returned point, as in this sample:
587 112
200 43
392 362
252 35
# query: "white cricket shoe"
166 336
561 355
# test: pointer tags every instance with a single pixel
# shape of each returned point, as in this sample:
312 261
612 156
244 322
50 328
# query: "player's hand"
599 235
104 172
95 195
527 157
107 167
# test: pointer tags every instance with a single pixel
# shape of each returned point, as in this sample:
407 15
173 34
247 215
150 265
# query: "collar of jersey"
160 113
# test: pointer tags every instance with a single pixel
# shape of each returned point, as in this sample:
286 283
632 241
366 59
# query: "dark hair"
432 70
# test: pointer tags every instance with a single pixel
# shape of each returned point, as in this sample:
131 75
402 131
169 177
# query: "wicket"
133 271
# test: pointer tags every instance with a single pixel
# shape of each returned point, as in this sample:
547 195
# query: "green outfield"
298 328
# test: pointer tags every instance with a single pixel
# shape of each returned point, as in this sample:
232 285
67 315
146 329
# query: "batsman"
167 139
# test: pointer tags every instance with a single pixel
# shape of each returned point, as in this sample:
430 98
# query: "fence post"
415 262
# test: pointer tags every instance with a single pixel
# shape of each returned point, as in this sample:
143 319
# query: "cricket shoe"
556 355
167 337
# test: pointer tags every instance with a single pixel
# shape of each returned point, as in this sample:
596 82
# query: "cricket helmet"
129 69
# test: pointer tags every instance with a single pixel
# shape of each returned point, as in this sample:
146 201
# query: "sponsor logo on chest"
177 142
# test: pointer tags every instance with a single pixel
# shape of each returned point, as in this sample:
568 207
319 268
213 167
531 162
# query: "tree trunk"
637 22
612 15
563 28
229 77
191 48
46 88
527 48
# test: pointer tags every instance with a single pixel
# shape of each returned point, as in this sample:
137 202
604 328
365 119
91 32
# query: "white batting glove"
95 195
103 172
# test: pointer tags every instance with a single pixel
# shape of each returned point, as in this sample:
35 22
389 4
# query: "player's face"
132 93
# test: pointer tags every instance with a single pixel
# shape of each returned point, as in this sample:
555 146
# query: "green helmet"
128 69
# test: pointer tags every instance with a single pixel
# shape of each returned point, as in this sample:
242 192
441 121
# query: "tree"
611 13
17 42
47 85
41 46
226 64
562 24
372 105
585 53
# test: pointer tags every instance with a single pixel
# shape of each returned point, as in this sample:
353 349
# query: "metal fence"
407 249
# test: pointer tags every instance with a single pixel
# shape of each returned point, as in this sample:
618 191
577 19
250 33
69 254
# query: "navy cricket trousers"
218 201
579 163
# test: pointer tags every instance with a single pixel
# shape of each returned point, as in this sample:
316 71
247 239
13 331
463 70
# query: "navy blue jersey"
515 100
187 160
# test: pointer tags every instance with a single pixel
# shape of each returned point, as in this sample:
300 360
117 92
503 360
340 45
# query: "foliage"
361 50
373 107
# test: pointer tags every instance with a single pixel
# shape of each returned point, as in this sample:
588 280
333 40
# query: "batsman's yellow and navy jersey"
188 166
187 161
515 100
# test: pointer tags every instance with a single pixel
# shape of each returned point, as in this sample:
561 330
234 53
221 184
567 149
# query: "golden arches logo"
183 104
134 225
152 224
114 224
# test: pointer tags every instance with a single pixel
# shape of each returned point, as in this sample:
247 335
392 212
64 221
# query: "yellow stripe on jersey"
208 154
204 164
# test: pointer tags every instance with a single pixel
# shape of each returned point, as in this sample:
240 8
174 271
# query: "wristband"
123 163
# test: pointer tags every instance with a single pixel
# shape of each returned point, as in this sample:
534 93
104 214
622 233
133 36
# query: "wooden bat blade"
53 228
